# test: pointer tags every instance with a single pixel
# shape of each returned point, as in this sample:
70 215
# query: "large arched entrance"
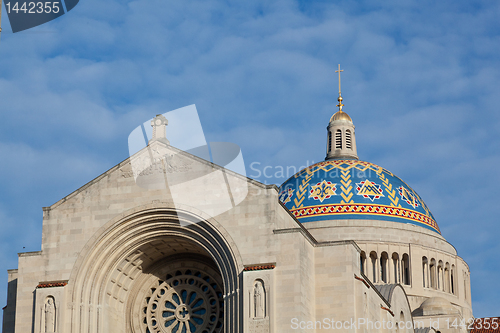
180 294
150 273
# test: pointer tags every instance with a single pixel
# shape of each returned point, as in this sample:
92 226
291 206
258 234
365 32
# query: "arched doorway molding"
100 258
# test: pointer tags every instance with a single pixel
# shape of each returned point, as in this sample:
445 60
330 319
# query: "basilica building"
169 242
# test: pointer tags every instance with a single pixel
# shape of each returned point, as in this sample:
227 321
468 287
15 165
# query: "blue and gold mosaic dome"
352 189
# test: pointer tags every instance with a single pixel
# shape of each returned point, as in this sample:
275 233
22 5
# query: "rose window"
187 301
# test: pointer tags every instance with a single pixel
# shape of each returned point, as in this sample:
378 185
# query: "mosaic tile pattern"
351 189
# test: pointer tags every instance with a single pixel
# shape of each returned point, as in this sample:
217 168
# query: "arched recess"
447 277
362 262
373 267
452 279
405 267
432 270
117 256
180 293
440 276
384 259
425 272
396 268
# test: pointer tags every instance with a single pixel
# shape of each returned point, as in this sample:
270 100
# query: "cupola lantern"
341 140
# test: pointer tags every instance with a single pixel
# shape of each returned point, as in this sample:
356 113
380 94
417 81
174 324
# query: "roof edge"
125 161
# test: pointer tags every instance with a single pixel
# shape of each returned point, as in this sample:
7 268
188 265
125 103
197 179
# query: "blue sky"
421 82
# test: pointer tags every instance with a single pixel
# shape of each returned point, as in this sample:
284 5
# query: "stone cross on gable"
159 124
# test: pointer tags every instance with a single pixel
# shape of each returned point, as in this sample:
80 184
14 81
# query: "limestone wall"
389 242
100 243
79 223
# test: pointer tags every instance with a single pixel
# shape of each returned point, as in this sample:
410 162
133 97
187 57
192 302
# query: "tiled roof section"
52 284
259 267
486 325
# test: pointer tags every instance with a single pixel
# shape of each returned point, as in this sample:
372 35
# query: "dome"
340 115
435 306
356 190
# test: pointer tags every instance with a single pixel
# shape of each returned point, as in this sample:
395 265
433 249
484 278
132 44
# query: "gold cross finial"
340 105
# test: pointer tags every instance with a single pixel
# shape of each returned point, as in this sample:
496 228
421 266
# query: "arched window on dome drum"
447 277
465 286
468 287
396 267
329 141
348 144
440 276
338 139
383 266
373 259
452 281
432 270
425 272
405 263
362 262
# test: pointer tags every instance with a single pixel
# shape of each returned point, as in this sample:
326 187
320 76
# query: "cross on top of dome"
340 105
341 141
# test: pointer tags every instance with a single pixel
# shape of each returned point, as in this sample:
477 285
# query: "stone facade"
119 257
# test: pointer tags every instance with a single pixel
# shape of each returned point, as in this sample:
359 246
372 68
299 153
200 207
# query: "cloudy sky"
421 81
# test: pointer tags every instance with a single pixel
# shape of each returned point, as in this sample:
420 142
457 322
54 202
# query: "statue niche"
49 312
259 300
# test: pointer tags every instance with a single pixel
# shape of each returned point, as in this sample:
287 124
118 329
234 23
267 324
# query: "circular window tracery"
188 300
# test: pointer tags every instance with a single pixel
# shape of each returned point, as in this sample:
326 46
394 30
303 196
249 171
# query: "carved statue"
50 316
259 296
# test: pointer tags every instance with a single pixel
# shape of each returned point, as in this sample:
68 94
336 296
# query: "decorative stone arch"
114 258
